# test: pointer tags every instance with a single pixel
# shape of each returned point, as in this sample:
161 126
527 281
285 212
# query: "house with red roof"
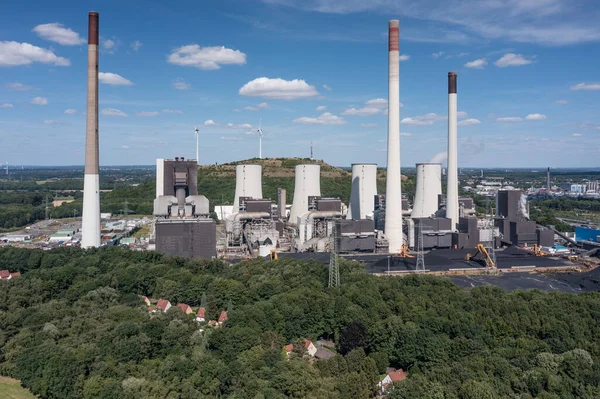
6 275
391 378
201 315
185 308
163 305
311 349
146 300
222 318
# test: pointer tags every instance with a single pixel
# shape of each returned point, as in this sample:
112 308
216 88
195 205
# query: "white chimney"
393 191
160 177
90 221
308 184
364 190
452 188
248 183
428 187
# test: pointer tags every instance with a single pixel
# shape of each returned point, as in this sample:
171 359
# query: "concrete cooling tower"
428 187
308 184
364 190
248 183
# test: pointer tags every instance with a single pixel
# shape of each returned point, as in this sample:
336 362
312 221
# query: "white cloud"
404 134
561 102
108 44
548 22
231 138
125 147
51 122
257 108
469 122
179 84
14 54
278 89
404 57
55 32
378 103
18 87
210 122
577 134
39 101
368 124
173 111
112 112
326 118
372 107
477 64
586 86
536 117
234 126
137 45
70 111
366 111
321 108
250 108
438 54
113 79
6 105
207 58
461 114
147 113
512 59
423 120
509 119
327 88
236 110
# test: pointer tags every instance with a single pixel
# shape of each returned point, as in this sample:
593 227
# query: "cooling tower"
393 202
90 223
364 190
452 189
308 184
428 187
248 183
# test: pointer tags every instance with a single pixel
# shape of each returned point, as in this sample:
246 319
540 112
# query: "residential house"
163 305
392 377
324 353
5 275
146 300
213 323
222 318
185 308
201 315
311 349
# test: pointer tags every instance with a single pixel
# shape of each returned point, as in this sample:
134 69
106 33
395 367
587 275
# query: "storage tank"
428 187
248 183
364 190
308 184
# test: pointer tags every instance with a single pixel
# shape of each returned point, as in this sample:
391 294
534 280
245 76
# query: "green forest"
73 326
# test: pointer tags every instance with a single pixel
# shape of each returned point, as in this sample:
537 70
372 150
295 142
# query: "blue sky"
313 70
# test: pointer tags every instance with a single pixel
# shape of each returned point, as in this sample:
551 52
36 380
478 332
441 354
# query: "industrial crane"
484 258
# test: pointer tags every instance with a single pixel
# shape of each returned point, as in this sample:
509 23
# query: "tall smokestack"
548 181
393 193
452 189
91 184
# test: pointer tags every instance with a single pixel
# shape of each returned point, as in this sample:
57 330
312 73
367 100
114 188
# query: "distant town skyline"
313 70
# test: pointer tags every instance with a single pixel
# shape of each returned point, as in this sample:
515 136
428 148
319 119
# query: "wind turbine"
260 136
197 156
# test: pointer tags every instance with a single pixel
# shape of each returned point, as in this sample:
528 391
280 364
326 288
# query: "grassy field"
11 389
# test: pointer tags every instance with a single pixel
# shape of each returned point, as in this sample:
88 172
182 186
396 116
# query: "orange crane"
403 252
484 258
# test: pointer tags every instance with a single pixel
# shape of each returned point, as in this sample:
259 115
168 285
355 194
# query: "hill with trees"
73 326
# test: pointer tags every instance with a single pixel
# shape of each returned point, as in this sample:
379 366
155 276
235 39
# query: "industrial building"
182 224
